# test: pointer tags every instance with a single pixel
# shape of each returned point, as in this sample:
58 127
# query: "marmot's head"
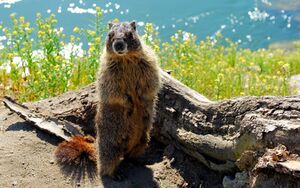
122 38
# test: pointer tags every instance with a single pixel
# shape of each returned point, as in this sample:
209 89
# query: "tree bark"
219 134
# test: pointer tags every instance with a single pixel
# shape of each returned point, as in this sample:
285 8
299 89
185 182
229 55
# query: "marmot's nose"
119 46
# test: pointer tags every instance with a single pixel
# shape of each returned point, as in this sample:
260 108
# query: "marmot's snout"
119 46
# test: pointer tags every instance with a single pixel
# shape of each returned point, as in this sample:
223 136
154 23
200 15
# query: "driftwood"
226 136
61 129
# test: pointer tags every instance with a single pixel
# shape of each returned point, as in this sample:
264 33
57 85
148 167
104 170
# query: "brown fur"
127 90
76 150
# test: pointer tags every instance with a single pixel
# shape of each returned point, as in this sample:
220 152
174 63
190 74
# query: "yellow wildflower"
76 30
97 40
22 20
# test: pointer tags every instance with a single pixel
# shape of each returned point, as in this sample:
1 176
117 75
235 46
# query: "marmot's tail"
77 151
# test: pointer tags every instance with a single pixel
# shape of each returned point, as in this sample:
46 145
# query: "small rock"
78 184
51 161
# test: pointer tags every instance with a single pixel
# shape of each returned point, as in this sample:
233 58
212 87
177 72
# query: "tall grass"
39 60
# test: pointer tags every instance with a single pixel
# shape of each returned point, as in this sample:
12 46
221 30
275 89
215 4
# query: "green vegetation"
41 61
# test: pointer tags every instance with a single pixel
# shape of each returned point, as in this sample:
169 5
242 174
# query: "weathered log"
215 133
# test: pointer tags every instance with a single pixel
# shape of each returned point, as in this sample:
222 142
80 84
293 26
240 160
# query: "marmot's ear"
110 24
133 25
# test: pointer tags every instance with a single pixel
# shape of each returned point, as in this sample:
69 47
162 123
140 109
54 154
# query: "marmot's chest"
134 75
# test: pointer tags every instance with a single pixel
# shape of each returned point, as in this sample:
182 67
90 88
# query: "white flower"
71 49
18 61
186 35
2 38
38 55
6 67
25 73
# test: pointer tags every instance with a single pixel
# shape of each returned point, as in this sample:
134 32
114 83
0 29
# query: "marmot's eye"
111 34
129 35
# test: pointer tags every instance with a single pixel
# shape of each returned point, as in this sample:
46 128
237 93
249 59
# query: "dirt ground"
27 160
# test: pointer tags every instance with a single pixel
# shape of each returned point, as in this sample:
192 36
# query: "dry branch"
61 129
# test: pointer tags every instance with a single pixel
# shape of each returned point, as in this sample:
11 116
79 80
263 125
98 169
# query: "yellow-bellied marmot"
128 82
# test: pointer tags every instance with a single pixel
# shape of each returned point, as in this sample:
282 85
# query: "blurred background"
253 23
221 49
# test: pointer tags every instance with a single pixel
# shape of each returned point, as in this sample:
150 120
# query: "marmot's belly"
136 90
136 127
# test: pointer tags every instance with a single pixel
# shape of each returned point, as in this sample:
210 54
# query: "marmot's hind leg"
111 135
109 164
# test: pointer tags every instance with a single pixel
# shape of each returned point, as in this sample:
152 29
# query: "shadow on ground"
160 166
